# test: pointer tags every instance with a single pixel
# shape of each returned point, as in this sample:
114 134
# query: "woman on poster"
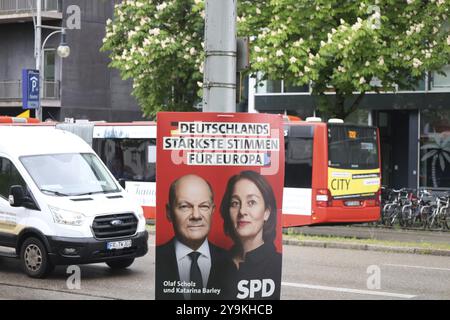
249 212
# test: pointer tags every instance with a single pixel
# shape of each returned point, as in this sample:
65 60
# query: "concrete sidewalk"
371 233
376 233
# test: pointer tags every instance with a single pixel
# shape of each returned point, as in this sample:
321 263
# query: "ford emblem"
116 222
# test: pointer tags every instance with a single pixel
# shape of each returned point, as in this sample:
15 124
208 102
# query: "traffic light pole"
219 83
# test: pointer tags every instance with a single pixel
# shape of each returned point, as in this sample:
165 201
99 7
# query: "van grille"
115 226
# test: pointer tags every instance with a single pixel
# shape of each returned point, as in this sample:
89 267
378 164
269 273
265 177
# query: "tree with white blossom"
159 45
334 45
347 47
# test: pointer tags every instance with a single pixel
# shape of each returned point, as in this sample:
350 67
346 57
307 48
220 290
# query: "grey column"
219 84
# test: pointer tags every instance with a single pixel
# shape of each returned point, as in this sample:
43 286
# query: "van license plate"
352 203
118 245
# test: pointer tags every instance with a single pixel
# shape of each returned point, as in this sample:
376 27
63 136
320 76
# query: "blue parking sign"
30 89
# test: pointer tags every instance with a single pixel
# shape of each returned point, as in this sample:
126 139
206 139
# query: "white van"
59 204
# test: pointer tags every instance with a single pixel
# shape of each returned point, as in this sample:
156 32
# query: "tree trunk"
339 106
433 171
340 110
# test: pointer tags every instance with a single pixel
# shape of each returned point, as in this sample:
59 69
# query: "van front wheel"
120 264
34 257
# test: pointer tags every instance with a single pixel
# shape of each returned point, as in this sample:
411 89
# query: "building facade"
80 86
412 124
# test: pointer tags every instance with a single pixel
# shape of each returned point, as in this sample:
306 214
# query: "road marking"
348 290
416 267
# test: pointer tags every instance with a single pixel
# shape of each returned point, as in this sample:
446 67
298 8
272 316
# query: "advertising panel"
218 201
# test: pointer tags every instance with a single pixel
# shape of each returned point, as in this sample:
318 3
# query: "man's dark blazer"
167 270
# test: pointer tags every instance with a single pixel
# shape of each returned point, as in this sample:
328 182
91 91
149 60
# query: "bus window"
352 147
128 159
298 160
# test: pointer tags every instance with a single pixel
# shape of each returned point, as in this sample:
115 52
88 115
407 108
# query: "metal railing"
12 90
24 6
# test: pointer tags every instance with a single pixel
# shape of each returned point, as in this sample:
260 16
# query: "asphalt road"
308 273
319 273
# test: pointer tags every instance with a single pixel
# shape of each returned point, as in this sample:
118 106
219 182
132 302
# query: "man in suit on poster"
189 266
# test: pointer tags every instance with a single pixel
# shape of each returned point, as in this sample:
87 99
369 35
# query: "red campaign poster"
218 209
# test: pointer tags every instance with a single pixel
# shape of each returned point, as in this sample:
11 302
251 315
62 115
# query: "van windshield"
69 174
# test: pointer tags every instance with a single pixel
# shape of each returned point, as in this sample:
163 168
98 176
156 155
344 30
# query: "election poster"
218 206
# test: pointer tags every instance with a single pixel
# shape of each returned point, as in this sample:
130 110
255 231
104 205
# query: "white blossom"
362 80
357 26
448 40
258 11
293 60
257 49
279 53
417 63
161 7
367 63
381 61
155 31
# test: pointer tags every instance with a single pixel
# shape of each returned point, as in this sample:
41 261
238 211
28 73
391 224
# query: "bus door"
129 152
297 193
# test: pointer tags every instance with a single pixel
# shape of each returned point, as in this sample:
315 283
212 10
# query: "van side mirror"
122 182
17 198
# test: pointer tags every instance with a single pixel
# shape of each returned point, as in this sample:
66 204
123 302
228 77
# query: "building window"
268 86
441 82
49 65
419 86
49 86
359 116
277 86
435 148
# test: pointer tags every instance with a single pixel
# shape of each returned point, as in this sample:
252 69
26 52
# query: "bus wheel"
120 263
34 258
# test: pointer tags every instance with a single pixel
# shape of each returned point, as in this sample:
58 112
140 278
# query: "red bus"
332 174
332 170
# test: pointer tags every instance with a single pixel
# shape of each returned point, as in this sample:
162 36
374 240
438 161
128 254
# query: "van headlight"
140 213
67 217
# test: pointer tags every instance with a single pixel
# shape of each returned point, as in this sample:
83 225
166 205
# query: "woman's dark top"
263 264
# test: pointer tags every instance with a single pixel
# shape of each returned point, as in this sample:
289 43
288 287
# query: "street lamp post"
63 49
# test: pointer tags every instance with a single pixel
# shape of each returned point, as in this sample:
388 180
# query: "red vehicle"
332 174
332 170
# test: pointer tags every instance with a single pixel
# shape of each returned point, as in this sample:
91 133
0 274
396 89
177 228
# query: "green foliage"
159 45
336 45
342 46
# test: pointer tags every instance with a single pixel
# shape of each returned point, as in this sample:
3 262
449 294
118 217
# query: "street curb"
360 246
366 247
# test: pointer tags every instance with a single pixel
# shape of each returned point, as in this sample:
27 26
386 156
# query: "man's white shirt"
184 262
